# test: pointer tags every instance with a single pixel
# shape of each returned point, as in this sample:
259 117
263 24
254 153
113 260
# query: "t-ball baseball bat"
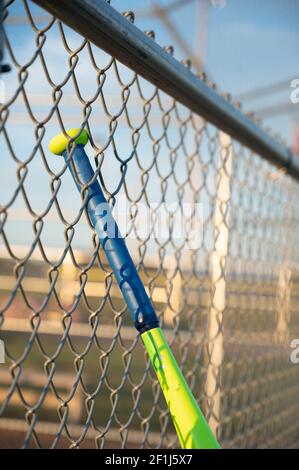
192 429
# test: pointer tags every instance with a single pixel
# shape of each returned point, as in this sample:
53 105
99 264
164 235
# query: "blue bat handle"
117 254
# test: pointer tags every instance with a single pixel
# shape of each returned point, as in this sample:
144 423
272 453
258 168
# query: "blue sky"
248 44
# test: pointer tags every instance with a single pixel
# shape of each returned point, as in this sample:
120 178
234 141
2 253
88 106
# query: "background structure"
75 373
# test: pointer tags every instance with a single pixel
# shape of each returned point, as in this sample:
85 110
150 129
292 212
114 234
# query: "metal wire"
77 374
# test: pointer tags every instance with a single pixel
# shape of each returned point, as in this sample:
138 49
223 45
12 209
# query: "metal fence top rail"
112 32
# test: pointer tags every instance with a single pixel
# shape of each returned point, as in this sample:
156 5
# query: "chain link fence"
75 373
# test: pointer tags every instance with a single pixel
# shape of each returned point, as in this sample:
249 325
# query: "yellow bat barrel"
190 424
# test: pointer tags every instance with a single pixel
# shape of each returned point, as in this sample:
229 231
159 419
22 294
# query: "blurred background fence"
75 374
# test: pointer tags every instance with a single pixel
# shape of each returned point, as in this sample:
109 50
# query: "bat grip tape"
118 257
